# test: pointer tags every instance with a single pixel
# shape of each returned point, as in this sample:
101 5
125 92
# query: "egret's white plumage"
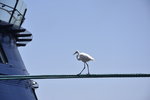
84 58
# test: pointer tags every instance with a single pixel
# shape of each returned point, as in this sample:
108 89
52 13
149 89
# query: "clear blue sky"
115 32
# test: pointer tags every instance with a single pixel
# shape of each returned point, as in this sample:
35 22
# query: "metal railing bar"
23 77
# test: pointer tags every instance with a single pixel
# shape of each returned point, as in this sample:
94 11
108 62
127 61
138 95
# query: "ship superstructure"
12 36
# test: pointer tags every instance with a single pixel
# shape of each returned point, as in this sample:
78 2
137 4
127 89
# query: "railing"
23 77
16 17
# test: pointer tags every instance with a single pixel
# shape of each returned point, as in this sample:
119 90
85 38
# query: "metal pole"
23 77
23 18
13 11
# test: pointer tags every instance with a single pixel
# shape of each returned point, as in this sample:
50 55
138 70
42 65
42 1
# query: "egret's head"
77 52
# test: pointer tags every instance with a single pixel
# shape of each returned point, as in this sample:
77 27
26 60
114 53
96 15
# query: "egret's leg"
82 70
88 68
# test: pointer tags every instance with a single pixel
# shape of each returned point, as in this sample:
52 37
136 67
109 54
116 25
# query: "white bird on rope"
84 58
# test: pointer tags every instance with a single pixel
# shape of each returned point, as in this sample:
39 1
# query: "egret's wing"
86 57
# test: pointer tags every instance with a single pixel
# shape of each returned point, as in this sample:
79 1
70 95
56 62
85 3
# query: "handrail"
6 5
10 7
11 12
7 11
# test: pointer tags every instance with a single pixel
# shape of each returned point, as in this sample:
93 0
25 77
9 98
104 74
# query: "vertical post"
23 18
13 11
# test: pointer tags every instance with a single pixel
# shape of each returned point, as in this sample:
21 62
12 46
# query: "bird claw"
88 74
79 74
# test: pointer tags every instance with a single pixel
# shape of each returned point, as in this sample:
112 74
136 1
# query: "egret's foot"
79 74
88 74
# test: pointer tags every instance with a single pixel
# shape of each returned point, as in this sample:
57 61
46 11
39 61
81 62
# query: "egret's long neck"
77 56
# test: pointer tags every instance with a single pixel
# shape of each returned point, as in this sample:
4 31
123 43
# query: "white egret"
84 58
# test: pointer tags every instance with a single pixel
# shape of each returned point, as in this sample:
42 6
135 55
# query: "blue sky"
115 33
